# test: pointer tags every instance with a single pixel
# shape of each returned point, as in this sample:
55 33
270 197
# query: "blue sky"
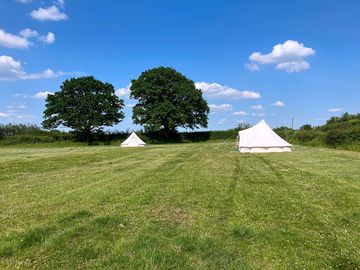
252 59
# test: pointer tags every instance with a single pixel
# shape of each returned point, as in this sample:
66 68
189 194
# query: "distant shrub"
285 132
305 135
16 129
243 125
306 127
25 134
343 136
338 132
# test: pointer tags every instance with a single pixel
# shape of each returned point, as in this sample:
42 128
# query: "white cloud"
130 105
13 41
24 1
14 115
18 95
23 116
28 33
123 91
46 74
222 121
257 107
42 95
48 14
4 115
221 107
216 90
278 104
22 40
48 39
11 70
38 95
258 114
252 66
60 3
289 56
16 106
240 113
335 110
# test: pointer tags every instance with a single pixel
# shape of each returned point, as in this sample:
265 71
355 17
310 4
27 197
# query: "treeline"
25 134
341 132
11 134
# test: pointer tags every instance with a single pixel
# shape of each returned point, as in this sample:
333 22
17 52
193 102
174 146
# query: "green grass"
181 206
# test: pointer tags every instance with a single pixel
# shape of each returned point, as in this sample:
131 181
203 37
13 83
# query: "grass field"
181 206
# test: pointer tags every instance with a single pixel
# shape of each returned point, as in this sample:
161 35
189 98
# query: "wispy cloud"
258 114
222 121
257 107
240 113
24 1
60 3
15 115
335 110
15 111
38 95
220 107
11 70
16 106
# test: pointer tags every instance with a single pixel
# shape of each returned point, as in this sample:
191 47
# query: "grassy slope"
179 206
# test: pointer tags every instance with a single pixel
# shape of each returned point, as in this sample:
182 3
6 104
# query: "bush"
343 136
24 134
285 133
305 135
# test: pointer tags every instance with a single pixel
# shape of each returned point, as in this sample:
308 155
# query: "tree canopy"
83 104
167 100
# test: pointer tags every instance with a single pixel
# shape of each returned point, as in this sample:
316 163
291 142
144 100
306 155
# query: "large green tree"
85 105
167 100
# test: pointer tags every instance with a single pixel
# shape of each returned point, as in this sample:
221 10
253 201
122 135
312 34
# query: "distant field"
180 206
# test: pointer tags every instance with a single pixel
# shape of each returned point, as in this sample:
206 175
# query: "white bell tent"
133 141
261 139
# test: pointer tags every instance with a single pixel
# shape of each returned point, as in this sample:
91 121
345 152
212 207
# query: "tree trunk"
170 134
88 135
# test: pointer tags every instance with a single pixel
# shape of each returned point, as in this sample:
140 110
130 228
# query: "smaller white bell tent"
133 141
261 139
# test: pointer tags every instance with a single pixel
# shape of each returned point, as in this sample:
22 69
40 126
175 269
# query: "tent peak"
133 141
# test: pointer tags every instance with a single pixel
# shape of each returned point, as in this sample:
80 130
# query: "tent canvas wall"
261 139
132 141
